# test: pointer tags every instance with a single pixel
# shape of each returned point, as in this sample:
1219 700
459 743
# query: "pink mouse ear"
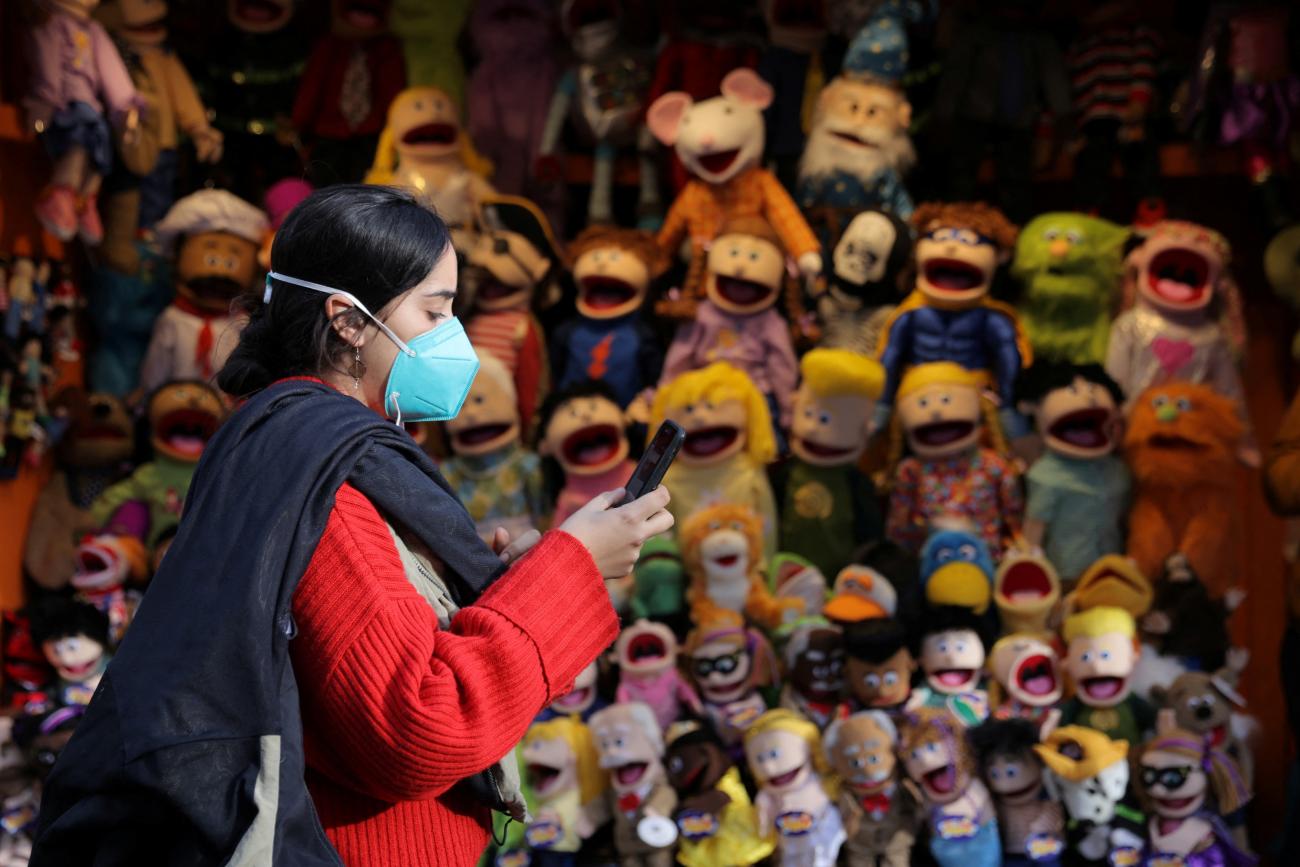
744 85
664 117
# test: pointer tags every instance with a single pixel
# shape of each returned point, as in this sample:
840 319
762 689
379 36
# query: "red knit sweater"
396 711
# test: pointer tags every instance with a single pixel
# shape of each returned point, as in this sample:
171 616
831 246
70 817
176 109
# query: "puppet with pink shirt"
581 429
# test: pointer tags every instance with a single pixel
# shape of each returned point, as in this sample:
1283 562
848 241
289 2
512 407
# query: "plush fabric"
826 513
980 486
1082 503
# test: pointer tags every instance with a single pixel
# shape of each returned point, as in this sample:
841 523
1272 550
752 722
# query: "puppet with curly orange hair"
949 316
1181 445
722 549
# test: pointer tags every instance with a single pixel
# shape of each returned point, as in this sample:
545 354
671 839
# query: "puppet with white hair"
214 237
881 811
631 747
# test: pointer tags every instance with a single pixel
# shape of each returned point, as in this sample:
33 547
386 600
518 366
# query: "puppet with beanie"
828 505
581 429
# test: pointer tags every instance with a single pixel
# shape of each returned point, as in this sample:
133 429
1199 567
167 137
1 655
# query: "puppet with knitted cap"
609 340
728 445
868 265
508 274
581 429
949 474
744 275
77 84
214 236
720 141
498 480
1102 652
950 316
828 506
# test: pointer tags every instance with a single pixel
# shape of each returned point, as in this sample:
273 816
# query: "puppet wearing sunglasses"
728 663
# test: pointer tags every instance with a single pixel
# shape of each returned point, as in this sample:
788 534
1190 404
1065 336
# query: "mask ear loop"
329 290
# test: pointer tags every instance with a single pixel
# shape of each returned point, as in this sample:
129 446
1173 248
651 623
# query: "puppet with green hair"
1069 265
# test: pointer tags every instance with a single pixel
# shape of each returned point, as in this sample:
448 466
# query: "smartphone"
655 462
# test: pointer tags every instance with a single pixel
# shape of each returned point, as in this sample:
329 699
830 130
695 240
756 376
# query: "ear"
353 334
1166 720
905 114
744 86
664 117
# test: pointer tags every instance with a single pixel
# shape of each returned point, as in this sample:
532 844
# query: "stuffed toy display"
728 663
1033 829
1208 705
1026 590
215 238
814 665
74 638
142 186
647 661
1187 787
949 474
353 74
508 272
828 505
793 64
963 823
949 316
564 772
108 560
722 551
720 142
631 747
878 664
1069 265
796 789
19 794
1026 671
736 323
952 660
715 817
604 96
78 84
865 282
1079 489
1102 652
498 480
729 443
183 416
881 813
1181 442
609 340
423 148
957 570
857 153
581 430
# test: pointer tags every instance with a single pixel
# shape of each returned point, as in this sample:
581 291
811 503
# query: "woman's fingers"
659 522
520 546
646 505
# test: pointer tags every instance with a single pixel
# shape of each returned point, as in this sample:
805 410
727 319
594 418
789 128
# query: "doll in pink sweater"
581 429
647 658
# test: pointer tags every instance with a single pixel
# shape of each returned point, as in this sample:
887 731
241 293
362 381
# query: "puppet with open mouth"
73 636
814 664
952 660
867 266
582 431
1033 828
110 558
1026 590
1102 651
728 663
631 747
581 701
648 673
1027 672
563 771
881 813
1079 489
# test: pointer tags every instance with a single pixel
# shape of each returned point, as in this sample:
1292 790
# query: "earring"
358 369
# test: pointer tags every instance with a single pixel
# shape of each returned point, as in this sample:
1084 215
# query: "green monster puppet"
1069 265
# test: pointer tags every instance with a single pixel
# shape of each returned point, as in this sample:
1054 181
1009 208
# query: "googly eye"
1051 234
1184 405
1074 236
872 681
1159 400
968 552
891 678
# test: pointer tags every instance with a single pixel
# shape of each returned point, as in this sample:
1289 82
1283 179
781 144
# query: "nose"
1058 248
707 142
1167 413
1203 712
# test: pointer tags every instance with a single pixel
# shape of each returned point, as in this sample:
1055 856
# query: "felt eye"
995 774
873 760
753 257
1086 656
675 764
932 747
945 555
943 647
945 400
1074 236
968 552
1051 234
825 418
715 525
1184 404
961 647
924 402
211 261
891 678
872 680
1159 400
1012 772
1105 655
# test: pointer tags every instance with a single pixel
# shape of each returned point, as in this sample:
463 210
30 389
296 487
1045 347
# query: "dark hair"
56 617
552 472
951 618
372 241
1002 737
874 640
1043 377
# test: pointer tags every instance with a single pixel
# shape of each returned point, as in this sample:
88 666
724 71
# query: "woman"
320 567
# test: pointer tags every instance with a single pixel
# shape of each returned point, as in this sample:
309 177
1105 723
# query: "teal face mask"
431 376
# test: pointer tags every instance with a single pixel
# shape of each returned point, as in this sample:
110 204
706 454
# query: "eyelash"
434 317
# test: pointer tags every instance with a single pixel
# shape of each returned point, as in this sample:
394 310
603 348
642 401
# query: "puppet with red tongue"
107 560
1103 651
647 659
582 430
631 747
1026 669
720 142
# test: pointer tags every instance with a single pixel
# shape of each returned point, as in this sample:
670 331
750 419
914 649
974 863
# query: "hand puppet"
1026 590
647 661
949 474
796 789
1188 787
1114 581
814 673
214 236
563 769
581 701
1089 773
865 283
949 316
729 442
715 817
881 813
1180 445
108 560
1208 705
74 638
1069 267
793 577
1101 653
609 340
728 663
498 480
1187 623
353 74
957 570
720 142
828 505
508 271
183 416
631 747
878 664
952 660
1079 489
661 584
793 63
1026 672
857 153
1033 829
581 431
963 823
77 85
722 550
736 322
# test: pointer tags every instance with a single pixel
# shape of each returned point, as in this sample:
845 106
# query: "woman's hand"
614 536
510 551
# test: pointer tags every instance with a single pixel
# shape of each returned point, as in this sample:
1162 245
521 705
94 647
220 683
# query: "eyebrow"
440 293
